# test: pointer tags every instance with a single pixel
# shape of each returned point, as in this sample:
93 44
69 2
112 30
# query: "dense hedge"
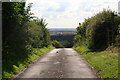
99 31
20 33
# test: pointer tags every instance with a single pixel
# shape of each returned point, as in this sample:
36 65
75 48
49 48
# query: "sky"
69 13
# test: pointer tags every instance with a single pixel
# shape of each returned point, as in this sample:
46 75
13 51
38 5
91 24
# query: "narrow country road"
59 63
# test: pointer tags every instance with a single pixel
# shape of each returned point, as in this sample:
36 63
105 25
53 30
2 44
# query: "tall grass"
10 70
106 64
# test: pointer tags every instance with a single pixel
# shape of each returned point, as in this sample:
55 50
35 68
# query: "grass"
10 70
106 64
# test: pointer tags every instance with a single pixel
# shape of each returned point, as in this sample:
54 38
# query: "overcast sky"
68 13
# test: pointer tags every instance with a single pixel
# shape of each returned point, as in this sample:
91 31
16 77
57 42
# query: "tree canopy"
21 33
99 31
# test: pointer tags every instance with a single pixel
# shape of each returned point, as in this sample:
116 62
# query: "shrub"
57 44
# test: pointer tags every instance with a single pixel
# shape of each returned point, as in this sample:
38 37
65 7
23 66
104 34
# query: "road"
67 63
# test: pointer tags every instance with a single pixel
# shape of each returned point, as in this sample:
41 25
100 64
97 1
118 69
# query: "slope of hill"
63 35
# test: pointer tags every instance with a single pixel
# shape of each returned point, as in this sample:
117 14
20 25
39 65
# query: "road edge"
89 65
26 67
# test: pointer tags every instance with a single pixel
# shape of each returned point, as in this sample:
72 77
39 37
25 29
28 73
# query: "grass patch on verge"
9 70
106 64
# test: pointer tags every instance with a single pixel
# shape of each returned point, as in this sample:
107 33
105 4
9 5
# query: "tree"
99 31
20 34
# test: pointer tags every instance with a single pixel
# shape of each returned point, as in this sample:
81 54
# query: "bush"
20 35
57 44
17 64
98 31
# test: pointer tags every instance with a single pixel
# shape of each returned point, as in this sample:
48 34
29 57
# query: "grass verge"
9 70
106 64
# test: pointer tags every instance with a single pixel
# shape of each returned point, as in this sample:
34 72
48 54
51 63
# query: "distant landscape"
63 35
62 29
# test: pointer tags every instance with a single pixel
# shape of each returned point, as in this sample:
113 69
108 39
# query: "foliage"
38 34
98 31
82 49
96 34
13 14
45 33
65 40
80 37
21 33
57 44
18 65
104 63
67 44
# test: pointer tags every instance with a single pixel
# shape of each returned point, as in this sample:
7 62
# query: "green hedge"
18 64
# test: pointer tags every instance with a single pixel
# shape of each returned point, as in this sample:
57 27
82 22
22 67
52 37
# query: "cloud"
68 13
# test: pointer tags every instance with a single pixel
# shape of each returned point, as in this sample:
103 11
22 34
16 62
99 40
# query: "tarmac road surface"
59 63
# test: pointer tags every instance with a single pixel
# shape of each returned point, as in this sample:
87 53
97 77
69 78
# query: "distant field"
62 30
63 35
